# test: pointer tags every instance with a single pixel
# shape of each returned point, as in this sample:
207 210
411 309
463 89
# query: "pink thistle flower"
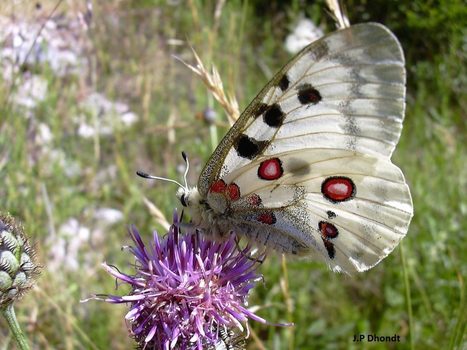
186 290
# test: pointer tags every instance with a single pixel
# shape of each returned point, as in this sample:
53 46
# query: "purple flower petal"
186 288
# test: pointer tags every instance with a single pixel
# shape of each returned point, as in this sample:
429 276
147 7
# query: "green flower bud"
18 268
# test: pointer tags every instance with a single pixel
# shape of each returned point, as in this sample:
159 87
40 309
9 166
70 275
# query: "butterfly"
306 169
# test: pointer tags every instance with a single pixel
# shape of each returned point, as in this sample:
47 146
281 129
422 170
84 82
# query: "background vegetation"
418 292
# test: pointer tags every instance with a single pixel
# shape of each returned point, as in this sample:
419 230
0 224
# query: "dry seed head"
213 82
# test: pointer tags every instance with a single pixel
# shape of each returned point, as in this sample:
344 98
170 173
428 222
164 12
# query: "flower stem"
9 313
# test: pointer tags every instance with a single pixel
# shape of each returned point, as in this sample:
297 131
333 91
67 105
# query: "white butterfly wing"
306 169
346 90
295 214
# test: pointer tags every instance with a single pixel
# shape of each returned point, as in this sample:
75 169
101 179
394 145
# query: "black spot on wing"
248 147
262 107
307 94
330 248
284 83
274 116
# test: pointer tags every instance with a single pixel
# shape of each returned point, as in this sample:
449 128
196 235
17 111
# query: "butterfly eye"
183 201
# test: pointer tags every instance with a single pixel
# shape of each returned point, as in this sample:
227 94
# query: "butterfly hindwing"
351 208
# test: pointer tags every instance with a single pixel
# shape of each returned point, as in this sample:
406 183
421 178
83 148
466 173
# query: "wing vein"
336 133
359 116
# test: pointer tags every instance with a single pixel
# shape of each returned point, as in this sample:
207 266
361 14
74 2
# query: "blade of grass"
288 301
459 330
73 321
408 297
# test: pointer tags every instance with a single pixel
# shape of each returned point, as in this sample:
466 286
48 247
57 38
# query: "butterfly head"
189 197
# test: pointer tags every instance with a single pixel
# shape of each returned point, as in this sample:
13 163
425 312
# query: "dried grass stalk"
213 82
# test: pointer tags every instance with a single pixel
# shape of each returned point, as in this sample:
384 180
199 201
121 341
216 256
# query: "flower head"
186 291
18 269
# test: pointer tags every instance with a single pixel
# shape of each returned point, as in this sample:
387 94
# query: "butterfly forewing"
346 90
306 169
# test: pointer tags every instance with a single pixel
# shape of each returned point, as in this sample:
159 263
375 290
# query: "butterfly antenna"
147 176
185 158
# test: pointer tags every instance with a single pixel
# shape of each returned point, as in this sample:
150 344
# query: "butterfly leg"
262 255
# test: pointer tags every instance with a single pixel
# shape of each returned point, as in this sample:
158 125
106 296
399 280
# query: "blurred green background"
70 143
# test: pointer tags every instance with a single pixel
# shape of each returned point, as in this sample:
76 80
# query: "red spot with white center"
338 188
328 231
270 169
218 186
233 191
267 218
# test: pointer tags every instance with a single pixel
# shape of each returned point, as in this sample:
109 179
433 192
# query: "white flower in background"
104 177
128 118
42 151
61 44
304 33
100 221
71 244
18 39
23 44
102 116
107 216
71 236
88 131
44 135
71 167
30 91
